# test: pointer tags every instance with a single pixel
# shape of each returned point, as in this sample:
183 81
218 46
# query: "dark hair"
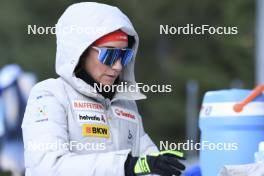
131 41
81 62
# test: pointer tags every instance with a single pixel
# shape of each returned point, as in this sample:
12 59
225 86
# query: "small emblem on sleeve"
41 113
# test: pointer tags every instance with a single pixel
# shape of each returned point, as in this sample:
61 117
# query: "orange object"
118 35
238 107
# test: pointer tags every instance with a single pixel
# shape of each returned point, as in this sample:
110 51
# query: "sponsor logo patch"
41 113
85 105
84 116
94 130
125 114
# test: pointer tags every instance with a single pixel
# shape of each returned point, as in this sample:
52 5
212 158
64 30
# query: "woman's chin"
108 81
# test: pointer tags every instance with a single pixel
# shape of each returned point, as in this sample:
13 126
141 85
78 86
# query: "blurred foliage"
3 173
213 60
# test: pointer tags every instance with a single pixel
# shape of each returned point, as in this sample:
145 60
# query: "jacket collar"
90 91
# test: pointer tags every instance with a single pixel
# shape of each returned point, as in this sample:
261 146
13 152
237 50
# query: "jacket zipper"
114 131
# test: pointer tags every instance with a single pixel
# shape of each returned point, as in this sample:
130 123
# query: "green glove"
163 163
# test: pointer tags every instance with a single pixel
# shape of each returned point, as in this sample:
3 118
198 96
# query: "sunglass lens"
115 56
110 56
127 57
105 56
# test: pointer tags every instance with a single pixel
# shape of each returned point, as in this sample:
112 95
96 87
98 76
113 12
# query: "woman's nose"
117 65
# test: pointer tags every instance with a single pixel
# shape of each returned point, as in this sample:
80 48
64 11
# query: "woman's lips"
111 76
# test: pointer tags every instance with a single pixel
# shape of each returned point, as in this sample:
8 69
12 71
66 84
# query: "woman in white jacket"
70 127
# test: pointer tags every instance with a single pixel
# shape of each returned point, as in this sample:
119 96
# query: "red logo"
122 113
87 105
88 129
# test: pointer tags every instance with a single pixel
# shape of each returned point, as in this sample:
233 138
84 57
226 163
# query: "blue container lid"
229 95
221 104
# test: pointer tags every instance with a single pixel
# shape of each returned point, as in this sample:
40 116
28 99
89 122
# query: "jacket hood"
79 26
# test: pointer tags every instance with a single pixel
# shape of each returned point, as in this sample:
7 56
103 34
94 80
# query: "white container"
259 156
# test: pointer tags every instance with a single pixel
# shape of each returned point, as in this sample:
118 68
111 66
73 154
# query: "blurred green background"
214 61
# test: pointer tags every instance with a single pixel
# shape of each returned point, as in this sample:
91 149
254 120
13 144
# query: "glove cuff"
129 165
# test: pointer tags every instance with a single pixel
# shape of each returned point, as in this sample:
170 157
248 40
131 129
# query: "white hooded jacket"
70 129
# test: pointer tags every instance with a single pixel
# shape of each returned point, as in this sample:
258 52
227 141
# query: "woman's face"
102 73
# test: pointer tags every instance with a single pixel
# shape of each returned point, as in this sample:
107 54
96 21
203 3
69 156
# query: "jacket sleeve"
146 144
45 139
